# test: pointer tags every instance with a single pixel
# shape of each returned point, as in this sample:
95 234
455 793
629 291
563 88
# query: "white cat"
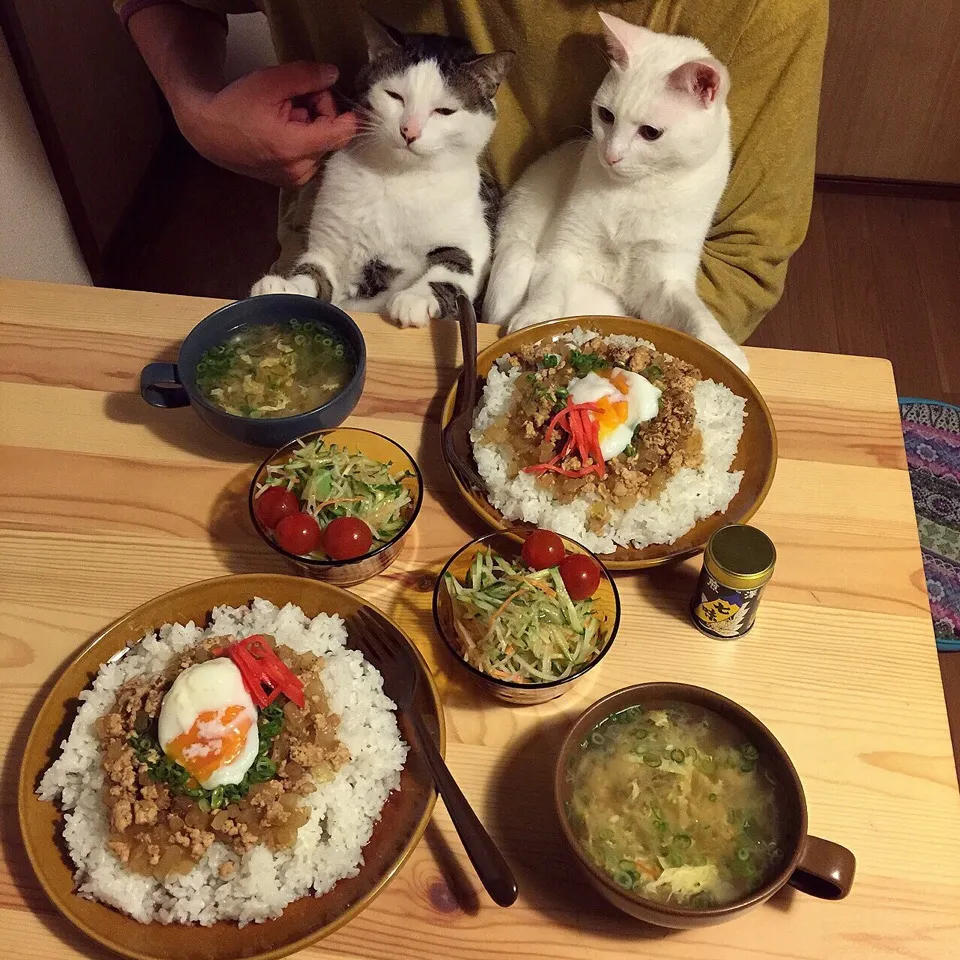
401 218
616 225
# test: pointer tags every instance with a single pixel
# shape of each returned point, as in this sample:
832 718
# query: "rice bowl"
343 811
691 494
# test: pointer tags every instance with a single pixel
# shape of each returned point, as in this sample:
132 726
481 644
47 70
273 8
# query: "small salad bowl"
477 578
310 469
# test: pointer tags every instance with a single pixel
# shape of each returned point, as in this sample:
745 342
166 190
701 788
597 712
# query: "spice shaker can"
737 565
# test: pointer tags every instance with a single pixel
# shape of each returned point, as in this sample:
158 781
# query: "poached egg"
208 723
625 399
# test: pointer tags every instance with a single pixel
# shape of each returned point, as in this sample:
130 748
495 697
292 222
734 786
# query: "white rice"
688 497
328 847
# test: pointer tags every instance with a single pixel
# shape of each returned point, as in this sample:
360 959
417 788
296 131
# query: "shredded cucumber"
518 624
331 482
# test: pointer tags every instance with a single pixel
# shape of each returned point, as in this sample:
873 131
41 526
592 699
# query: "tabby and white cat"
401 218
617 225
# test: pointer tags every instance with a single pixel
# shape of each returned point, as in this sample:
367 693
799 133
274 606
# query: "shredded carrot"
506 603
540 585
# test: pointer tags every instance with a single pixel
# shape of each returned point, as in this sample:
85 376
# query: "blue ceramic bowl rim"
315 561
518 533
196 397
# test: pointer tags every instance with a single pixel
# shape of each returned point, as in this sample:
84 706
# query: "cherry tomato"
346 537
542 549
274 504
298 533
581 576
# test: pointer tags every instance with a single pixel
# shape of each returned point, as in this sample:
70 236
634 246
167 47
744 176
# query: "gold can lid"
740 556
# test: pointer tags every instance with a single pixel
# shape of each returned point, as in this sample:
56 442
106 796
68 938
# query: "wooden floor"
877 276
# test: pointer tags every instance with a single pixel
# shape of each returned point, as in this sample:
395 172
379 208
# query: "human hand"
274 124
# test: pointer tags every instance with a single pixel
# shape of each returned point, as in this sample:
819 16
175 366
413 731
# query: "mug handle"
824 870
160 386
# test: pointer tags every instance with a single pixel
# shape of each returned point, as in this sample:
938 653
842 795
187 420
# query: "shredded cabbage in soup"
675 806
276 369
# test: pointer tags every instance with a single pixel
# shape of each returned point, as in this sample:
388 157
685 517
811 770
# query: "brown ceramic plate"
756 455
401 826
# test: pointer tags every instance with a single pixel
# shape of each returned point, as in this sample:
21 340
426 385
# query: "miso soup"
276 370
675 805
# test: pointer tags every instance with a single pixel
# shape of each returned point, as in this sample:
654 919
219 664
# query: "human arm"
775 75
274 124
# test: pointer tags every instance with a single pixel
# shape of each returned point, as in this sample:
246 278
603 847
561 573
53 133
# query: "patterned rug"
931 434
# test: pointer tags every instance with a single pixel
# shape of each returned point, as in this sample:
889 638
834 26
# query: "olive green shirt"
773 49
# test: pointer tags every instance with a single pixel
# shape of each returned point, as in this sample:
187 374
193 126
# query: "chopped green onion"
652 759
584 363
677 755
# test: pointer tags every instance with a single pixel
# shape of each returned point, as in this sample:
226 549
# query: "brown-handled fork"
390 654
456 436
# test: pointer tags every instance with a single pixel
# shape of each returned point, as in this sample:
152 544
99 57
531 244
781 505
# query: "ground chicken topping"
158 829
658 449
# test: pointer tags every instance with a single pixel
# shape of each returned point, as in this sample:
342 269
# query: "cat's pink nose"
410 131
613 158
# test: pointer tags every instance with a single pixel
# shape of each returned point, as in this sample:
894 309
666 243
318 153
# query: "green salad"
520 624
341 504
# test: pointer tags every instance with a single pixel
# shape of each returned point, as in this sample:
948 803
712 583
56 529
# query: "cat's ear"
623 39
489 70
707 80
381 38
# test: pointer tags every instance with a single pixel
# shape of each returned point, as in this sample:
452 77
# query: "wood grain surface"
890 91
105 503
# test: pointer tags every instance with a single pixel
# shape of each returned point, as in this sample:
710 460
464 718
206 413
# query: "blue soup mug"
171 385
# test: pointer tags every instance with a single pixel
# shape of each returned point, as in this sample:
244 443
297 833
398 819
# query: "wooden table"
106 502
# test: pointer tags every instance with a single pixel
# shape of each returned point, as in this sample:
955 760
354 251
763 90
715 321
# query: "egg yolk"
216 738
612 413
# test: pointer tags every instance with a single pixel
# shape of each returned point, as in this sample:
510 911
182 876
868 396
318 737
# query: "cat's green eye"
394 95
650 133
445 111
605 115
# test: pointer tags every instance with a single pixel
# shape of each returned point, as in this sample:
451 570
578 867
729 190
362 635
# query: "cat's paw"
527 316
731 351
273 283
410 308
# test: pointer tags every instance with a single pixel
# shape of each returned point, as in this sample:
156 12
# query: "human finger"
301 78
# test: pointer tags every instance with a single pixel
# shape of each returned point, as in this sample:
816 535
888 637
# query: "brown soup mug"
817 867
